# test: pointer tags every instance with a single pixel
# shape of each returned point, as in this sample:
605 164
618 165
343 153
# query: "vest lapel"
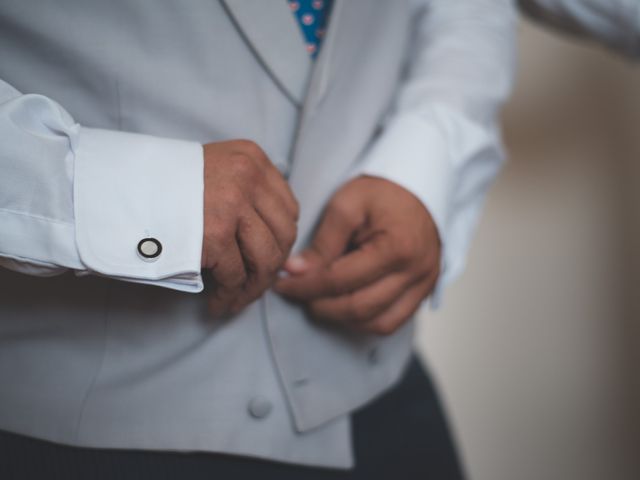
345 33
336 120
271 31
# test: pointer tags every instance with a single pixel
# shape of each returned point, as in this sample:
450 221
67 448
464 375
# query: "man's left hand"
374 258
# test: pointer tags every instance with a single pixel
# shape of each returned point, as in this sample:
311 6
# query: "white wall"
536 348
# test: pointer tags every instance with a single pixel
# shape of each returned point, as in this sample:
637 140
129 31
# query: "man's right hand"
250 217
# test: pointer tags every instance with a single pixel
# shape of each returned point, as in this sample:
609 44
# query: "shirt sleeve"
614 23
81 199
441 139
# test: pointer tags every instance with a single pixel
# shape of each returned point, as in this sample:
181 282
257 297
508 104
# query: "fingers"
278 218
357 269
280 187
262 258
401 310
229 275
254 251
337 227
379 284
362 305
250 219
270 194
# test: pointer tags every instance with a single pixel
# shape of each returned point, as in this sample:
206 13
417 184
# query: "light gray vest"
101 363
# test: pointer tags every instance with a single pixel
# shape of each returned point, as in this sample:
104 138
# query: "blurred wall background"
537 348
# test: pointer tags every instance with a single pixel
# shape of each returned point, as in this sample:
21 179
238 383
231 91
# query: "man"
614 23
152 151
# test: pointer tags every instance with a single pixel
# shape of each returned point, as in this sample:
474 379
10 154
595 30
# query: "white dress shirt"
614 23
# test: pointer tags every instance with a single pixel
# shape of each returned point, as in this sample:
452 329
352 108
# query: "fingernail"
297 263
283 274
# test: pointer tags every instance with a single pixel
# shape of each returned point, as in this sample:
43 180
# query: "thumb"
331 240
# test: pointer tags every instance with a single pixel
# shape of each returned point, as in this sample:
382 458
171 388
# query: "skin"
374 258
250 217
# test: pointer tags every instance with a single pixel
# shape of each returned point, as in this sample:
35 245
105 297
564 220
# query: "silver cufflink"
149 249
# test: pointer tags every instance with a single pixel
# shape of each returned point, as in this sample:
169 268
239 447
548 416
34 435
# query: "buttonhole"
301 382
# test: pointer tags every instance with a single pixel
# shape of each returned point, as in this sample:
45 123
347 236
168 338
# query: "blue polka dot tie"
312 16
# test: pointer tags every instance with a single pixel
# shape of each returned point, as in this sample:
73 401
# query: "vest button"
260 407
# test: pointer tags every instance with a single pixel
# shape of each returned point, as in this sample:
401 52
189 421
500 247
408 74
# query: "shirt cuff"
415 155
128 187
425 153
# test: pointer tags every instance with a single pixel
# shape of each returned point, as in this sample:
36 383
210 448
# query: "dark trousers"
402 435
